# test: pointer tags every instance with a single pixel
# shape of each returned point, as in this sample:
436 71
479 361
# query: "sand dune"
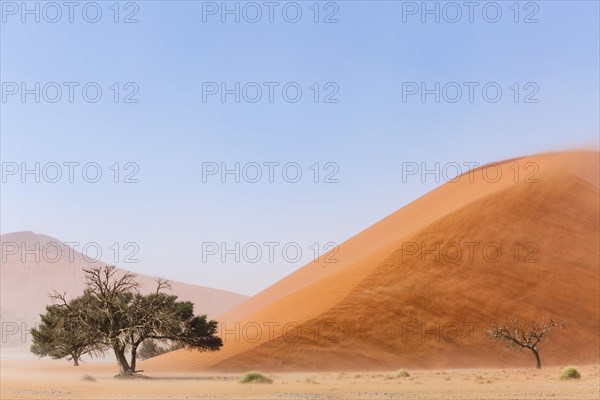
396 300
27 279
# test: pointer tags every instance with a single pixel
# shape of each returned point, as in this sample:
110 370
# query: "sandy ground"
45 379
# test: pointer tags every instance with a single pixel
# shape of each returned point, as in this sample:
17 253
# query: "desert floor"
44 379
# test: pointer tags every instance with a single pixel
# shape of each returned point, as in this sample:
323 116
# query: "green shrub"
402 373
88 378
568 373
255 377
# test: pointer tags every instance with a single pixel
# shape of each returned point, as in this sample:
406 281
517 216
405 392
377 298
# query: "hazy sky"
360 116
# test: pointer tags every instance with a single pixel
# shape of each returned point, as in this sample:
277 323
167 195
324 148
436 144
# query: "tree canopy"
519 336
113 314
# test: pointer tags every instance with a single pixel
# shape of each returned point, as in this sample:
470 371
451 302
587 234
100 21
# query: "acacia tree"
121 318
159 316
519 337
60 335
112 296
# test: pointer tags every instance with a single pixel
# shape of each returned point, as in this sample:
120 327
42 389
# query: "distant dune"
26 283
393 300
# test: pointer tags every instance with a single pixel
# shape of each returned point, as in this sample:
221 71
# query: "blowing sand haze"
300 200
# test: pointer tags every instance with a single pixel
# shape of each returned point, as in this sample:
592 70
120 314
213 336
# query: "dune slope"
419 288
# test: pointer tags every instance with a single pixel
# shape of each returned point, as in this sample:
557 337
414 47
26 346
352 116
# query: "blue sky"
365 136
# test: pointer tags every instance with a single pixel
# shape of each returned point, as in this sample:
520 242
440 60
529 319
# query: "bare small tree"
517 336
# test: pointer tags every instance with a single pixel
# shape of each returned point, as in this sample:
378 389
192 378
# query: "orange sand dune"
27 279
396 300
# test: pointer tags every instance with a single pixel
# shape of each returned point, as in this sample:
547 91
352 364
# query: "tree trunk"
537 358
133 357
124 368
75 362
